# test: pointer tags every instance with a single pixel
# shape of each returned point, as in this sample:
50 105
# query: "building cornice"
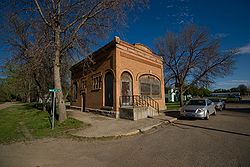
137 49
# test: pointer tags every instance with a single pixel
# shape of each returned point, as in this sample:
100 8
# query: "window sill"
95 90
156 98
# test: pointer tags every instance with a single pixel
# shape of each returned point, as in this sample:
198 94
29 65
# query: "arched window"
126 84
150 86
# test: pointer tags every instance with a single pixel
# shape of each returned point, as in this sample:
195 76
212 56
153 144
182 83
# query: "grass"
173 105
21 123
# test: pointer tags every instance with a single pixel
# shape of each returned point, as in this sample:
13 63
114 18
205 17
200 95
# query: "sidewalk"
102 126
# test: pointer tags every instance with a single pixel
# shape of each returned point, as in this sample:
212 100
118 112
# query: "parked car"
219 103
198 108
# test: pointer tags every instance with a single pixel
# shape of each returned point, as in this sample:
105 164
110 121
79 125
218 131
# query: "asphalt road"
224 140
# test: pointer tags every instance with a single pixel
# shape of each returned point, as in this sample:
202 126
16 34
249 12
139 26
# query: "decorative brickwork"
120 69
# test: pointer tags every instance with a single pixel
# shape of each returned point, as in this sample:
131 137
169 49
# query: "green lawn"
20 123
173 106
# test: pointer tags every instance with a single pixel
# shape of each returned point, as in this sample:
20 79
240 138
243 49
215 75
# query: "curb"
156 125
147 128
142 130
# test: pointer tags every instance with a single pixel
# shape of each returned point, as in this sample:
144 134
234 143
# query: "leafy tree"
196 91
243 89
221 90
191 57
234 90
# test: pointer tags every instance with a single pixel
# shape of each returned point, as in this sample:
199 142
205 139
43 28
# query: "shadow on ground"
239 102
242 106
242 110
174 114
213 129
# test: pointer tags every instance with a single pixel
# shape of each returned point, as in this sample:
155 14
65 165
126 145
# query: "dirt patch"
5 105
8 104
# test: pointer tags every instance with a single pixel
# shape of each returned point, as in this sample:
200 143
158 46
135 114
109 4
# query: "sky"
227 19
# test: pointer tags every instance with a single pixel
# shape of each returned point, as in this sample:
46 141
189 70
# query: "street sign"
54 105
55 90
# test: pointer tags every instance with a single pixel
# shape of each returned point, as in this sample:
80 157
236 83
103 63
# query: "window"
126 84
75 90
209 102
145 89
97 80
197 102
150 86
83 84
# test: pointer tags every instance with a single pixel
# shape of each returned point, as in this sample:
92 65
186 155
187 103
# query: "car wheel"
207 116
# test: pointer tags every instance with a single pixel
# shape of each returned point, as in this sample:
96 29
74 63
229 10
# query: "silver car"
198 108
219 103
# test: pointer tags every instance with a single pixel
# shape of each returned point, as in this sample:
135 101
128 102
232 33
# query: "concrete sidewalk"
102 126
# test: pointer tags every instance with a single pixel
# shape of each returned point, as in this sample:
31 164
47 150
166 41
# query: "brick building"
125 80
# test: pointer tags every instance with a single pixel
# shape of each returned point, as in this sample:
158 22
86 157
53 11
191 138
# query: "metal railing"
139 100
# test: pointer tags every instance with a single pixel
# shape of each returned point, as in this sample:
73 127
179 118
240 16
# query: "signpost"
54 105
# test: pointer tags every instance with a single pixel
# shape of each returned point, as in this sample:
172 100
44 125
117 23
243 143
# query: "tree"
221 90
195 91
70 27
31 66
243 89
193 58
74 23
234 90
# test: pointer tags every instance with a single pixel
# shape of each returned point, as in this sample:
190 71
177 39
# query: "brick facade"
111 62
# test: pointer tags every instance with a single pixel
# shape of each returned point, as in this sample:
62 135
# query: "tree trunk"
29 92
44 106
181 96
28 98
57 78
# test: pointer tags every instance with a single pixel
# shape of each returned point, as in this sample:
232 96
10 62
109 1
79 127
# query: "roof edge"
112 43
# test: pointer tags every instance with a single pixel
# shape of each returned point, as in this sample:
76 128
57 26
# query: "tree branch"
85 17
41 13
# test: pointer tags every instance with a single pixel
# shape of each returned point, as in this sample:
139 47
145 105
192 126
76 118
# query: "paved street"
224 140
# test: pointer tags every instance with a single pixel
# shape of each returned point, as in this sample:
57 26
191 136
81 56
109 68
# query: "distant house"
125 80
171 95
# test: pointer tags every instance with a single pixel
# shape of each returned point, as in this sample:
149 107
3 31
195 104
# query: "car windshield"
197 102
215 100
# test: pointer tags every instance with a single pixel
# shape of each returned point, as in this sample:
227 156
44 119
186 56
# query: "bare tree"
193 58
30 64
76 22
43 40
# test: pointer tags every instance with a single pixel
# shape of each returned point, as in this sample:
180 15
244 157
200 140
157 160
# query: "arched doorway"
109 89
126 89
